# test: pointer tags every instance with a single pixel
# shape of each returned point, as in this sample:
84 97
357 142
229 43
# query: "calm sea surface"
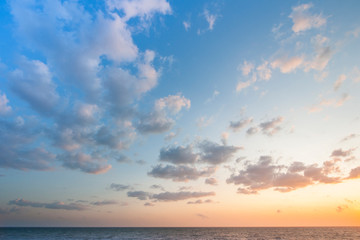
328 233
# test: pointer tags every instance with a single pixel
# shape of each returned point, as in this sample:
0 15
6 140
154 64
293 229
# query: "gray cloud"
84 162
354 173
200 201
178 155
271 127
177 196
252 130
55 205
119 187
154 122
264 175
214 153
349 137
342 153
179 173
141 195
211 181
237 126
149 204
104 203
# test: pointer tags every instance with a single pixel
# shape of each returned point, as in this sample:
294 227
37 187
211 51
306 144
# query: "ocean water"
298 233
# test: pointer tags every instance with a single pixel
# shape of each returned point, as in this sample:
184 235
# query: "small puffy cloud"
238 125
210 18
178 155
54 205
141 195
180 173
211 181
84 162
271 127
4 107
263 71
224 137
173 103
339 81
214 153
187 25
303 20
33 83
119 187
104 203
287 65
342 153
177 196
246 68
156 186
252 130
242 85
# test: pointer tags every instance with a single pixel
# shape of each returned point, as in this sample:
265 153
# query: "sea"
242 233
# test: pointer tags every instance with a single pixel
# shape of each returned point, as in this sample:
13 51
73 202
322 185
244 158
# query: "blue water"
326 233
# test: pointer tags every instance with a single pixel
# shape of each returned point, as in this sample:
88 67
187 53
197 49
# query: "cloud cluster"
303 20
84 88
184 159
265 174
268 128
55 205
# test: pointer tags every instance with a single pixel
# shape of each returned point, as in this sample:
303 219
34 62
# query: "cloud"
354 173
252 130
271 127
330 103
141 195
33 83
246 68
202 216
54 205
238 125
149 204
263 71
339 81
84 162
266 175
104 203
177 196
303 20
214 153
342 153
204 121
154 122
155 186
210 18
320 60
119 187
178 155
180 173
174 103
287 65
187 25
211 181
144 9
355 74
157 121
349 137
4 107
242 85
200 201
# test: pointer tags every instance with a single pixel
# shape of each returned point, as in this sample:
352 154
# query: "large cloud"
178 155
265 175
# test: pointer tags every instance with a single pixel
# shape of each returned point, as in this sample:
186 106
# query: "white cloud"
246 68
303 20
4 107
210 18
174 103
263 71
287 65
242 85
187 25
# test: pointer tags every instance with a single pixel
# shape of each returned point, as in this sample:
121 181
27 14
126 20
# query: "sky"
179 113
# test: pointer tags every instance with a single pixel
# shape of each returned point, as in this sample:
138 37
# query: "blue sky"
113 112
